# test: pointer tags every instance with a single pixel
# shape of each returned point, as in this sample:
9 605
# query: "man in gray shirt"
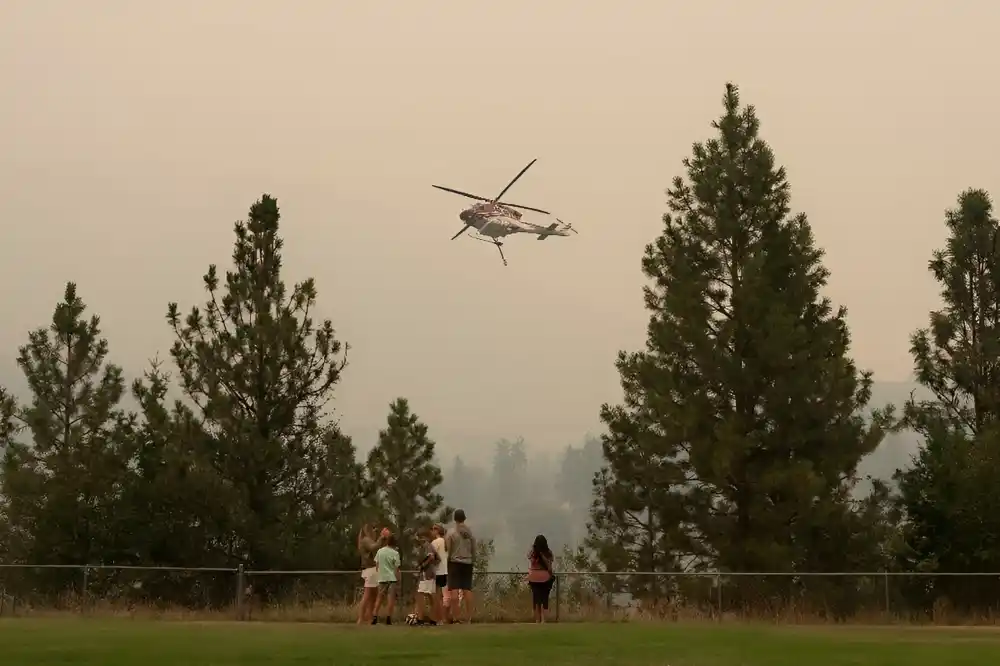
461 545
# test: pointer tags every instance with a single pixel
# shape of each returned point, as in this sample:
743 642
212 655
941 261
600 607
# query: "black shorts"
540 593
459 575
441 580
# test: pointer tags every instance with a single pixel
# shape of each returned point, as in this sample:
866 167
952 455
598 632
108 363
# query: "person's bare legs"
367 604
543 608
467 603
379 598
390 605
436 607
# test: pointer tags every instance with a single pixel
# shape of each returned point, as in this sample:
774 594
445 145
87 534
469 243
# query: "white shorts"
426 587
370 577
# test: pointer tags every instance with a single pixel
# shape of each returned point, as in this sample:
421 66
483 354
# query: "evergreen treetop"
948 496
61 489
261 373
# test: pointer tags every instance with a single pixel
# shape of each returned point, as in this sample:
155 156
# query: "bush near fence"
504 596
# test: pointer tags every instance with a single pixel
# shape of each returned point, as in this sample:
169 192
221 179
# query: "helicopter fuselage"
495 220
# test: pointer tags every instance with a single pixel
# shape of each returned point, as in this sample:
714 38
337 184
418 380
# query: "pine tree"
63 490
510 470
177 496
574 483
949 495
404 476
9 427
261 373
467 486
741 429
637 520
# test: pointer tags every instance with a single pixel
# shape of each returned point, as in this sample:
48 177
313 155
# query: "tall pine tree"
741 429
63 491
404 476
261 372
949 495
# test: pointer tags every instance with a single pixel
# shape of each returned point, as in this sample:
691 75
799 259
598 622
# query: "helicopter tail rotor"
567 226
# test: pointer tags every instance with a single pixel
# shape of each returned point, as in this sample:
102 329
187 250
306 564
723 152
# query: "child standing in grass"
387 563
441 579
427 599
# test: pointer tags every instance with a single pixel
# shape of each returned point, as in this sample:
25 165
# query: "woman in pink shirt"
540 576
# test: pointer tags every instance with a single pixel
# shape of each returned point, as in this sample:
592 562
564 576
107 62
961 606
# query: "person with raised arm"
367 547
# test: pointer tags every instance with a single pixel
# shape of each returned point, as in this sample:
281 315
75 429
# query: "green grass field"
83 642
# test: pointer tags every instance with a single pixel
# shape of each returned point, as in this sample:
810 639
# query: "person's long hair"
541 547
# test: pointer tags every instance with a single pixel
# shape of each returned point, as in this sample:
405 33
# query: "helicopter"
493 220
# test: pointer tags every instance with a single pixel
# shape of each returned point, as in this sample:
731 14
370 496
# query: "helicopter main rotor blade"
460 232
537 210
504 190
460 192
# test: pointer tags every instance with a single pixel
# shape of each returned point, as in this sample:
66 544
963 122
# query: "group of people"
444 572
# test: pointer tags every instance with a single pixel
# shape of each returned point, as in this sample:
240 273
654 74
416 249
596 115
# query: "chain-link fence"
505 596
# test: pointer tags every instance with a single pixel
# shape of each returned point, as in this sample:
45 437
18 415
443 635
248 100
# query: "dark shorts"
540 593
441 581
387 587
459 576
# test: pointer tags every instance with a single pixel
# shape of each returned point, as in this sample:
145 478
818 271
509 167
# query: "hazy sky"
134 133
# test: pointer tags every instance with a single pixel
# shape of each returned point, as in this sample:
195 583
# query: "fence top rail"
119 567
677 574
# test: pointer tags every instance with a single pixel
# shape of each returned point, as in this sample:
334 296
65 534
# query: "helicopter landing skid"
496 242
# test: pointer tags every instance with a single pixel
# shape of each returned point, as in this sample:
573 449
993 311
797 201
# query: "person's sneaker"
388 620
375 619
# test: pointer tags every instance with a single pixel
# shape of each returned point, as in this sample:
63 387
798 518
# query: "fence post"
557 597
240 587
718 595
86 589
888 606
